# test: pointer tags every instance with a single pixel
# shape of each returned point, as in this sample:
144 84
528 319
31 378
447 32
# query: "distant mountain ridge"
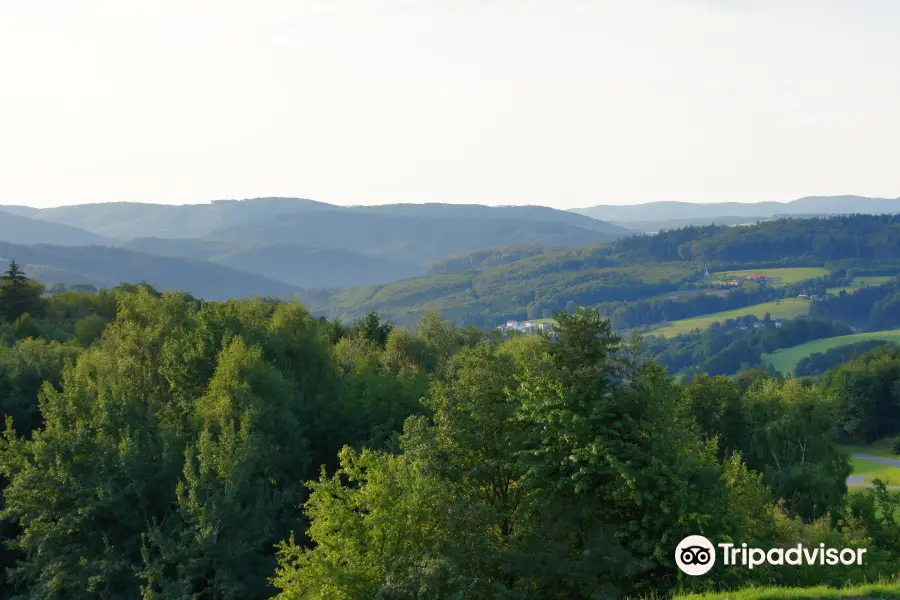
303 266
480 211
809 205
109 267
131 220
404 238
277 245
18 229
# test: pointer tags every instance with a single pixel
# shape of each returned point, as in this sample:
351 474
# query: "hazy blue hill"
23 211
664 211
653 226
129 220
303 266
106 266
310 267
406 238
844 205
17 229
810 205
476 211
50 275
184 247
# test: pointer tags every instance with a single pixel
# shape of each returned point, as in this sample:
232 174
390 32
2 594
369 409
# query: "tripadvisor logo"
696 555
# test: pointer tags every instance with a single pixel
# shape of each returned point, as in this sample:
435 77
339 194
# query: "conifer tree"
18 294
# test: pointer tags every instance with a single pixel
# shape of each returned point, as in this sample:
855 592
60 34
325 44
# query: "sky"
563 103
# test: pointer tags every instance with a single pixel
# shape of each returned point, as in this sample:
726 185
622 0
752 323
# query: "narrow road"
859 480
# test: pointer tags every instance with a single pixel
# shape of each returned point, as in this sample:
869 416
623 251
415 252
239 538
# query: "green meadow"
779 309
860 282
786 359
784 276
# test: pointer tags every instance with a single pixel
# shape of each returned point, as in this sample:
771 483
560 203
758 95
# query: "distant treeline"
873 308
818 363
858 237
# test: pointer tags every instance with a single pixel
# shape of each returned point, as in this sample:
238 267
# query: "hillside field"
784 276
859 283
788 308
786 359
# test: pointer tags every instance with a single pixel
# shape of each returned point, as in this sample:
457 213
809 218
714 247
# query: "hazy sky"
564 103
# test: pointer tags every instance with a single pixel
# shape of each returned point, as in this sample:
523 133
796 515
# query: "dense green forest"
868 237
876 307
161 446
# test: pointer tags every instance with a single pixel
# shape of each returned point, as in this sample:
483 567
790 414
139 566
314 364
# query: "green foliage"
531 479
868 394
171 459
19 296
783 429
818 363
160 447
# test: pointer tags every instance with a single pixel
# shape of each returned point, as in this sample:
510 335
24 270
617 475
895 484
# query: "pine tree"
18 294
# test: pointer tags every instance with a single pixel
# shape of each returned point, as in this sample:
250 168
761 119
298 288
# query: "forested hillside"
488 287
866 237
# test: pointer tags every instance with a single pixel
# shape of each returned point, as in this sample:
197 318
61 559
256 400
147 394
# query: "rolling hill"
541 214
809 205
129 220
310 267
18 229
22 211
403 238
108 267
529 288
296 264
184 247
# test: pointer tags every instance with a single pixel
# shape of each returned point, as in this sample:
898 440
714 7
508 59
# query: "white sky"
564 103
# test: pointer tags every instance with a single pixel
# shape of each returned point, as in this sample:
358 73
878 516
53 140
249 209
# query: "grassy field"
784 276
786 359
876 590
861 282
779 309
875 470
